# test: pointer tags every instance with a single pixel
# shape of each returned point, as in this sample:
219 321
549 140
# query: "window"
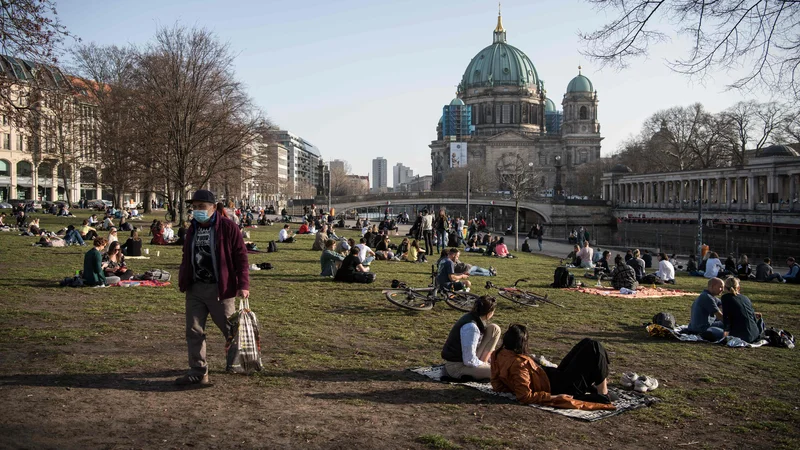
6 141
584 113
542 160
5 120
5 169
20 143
506 113
584 156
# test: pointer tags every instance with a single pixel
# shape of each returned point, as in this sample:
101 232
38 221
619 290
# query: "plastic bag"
243 350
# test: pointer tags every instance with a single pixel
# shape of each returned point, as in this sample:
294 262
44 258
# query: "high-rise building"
379 174
304 163
337 165
401 175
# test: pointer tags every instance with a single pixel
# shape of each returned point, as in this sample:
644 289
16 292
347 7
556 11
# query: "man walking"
214 271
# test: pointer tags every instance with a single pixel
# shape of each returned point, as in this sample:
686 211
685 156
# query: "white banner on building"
458 154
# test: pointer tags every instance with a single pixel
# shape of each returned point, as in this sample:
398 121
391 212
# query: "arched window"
584 114
5 168
24 169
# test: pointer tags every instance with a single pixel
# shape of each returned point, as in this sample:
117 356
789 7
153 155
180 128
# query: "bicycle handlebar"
525 280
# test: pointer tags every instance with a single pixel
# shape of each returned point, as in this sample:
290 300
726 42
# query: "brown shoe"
192 379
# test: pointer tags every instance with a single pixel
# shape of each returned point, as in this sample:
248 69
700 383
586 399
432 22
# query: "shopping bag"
243 349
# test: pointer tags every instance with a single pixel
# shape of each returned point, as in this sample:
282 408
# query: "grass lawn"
93 367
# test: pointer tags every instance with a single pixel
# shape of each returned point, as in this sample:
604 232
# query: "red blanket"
642 292
134 283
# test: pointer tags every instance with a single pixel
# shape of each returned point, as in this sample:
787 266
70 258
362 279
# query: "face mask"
201 215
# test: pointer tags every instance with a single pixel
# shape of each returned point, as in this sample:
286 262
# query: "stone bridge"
542 209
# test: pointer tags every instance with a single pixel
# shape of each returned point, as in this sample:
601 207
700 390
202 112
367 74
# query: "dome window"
504 54
477 74
481 57
506 70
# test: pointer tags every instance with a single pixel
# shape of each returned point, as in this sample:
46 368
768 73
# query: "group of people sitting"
471 352
104 264
164 234
714 317
711 266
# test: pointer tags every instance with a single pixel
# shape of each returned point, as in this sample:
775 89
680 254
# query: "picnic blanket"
679 334
641 292
136 283
628 400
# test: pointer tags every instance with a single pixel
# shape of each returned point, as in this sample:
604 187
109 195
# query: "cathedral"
502 111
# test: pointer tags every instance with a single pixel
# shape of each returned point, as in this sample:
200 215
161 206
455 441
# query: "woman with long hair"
471 341
739 318
579 382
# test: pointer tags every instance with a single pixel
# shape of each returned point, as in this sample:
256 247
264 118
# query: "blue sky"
362 79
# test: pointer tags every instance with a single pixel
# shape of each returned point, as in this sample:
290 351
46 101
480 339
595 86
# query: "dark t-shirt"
648 260
446 268
739 317
347 270
203 262
704 311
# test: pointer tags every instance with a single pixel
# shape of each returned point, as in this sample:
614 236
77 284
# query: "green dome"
549 106
457 102
500 64
580 84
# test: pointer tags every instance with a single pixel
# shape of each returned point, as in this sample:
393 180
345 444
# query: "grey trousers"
201 300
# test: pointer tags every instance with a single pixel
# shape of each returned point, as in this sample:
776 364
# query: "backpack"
251 246
265 266
664 319
156 275
651 279
779 338
364 277
562 278
525 247
272 247
75 281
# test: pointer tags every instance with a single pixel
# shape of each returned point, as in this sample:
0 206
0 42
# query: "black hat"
203 195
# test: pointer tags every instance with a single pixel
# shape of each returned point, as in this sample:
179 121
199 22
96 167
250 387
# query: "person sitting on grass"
743 269
351 270
638 265
124 225
73 237
579 382
402 249
93 221
739 319
303 228
447 278
491 247
623 275
114 263
382 250
730 265
365 254
666 271
793 274
470 343
473 245
320 238
132 246
93 274
330 260
764 272
714 267
108 223
501 250
112 236
573 258
586 255
602 269
415 253
169 233
706 313
86 231
158 235
285 235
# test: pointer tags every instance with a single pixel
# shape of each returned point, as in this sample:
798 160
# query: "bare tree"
723 34
672 133
588 179
187 75
755 124
456 180
108 80
520 178
30 31
789 129
714 141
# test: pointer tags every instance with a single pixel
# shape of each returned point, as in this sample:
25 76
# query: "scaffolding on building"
457 122
553 120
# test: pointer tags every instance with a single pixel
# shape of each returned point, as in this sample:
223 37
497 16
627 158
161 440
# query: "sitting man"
447 277
666 271
764 272
638 265
793 275
285 235
623 276
304 229
329 260
706 319
351 269
365 254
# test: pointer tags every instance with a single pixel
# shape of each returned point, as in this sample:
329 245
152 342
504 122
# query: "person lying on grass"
579 382
471 341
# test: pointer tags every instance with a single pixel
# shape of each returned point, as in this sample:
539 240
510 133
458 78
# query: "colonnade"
729 192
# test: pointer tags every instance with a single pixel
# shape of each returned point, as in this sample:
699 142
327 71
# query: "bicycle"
170 216
520 296
424 299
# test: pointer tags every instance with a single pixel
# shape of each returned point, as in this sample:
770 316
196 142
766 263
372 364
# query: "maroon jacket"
231 259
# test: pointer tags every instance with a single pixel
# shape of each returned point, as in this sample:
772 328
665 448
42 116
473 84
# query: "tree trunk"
516 225
66 188
148 207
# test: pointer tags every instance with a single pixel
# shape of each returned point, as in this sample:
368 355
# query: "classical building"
54 141
773 170
502 110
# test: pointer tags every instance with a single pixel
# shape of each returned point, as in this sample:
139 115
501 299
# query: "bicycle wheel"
410 299
519 298
462 301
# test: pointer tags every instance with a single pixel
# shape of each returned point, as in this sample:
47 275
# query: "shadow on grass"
348 375
411 396
371 311
160 381
626 333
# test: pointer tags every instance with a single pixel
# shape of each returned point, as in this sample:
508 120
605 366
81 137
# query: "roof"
580 84
777 150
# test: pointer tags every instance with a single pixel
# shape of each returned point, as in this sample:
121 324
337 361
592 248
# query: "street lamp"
557 186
